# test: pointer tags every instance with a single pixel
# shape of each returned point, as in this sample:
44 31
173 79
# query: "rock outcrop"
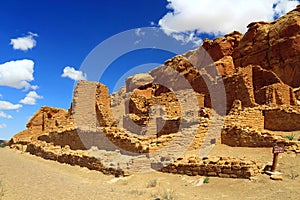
274 46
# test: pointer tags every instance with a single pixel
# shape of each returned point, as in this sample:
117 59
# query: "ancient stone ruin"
238 90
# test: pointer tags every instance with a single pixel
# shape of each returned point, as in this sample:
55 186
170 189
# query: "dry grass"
1 190
152 183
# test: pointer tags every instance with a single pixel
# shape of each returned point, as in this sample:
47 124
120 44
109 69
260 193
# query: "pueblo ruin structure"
169 118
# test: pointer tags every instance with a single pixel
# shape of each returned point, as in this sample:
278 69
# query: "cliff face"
258 73
274 46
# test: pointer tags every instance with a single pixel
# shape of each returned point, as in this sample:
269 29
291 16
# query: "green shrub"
206 180
290 137
2 145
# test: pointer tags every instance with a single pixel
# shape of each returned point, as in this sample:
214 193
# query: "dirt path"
24 176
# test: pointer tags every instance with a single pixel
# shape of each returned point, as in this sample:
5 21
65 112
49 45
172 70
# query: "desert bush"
152 183
137 192
168 195
2 145
206 180
124 182
290 137
293 175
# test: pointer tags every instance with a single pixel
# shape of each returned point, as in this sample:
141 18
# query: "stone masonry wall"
276 93
83 105
246 137
224 167
65 155
282 120
248 117
63 138
49 119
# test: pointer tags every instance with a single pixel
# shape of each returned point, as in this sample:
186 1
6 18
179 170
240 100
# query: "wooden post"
275 161
276 150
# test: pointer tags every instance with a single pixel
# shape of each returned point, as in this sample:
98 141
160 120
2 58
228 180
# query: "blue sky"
44 43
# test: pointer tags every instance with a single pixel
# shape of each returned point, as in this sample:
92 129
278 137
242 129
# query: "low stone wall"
65 155
167 126
246 137
248 117
63 138
282 119
224 167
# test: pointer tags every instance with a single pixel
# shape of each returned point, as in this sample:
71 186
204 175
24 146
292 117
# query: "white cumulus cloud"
34 87
31 98
71 73
283 7
3 126
5 115
5 105
24 43
17 74
218 17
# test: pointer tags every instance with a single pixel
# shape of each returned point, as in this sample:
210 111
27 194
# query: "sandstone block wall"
239 86
246 137
65 155
275 94
224 167
134 123
63 138
91 106
83 105
282 120
247 117
103 108
49 119
167 126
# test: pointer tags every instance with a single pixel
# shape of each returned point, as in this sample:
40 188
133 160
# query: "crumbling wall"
238 136
63 138
49 119
239 87
91 106
253 85
167 126
247 117
83 105
224 167
103 111
277 93
280 119
72 157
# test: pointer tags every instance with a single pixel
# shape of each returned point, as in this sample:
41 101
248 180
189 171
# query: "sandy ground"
24 176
